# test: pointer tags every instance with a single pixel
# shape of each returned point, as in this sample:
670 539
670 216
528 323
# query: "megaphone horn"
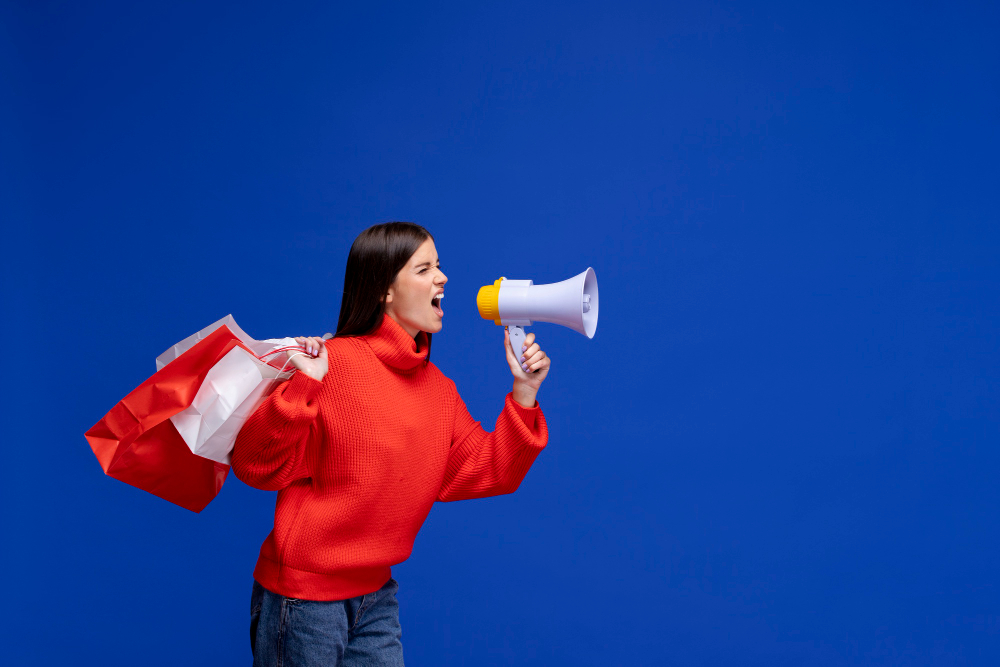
516 304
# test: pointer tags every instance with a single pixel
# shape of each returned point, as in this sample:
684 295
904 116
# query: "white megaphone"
516 304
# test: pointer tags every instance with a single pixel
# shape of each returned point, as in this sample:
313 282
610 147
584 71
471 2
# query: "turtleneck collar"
396 348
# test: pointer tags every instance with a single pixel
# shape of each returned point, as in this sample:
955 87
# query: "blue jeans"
288 632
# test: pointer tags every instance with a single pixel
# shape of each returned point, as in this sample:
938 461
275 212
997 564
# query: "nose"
442 279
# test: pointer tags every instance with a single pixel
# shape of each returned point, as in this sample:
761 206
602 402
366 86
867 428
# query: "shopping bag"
136 442
139 442
235 386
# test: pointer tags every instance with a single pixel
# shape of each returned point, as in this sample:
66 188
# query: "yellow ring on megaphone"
488 301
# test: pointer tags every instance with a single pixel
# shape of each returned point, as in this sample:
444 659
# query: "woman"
360 443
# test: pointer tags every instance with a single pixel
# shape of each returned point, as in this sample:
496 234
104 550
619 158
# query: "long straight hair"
376 258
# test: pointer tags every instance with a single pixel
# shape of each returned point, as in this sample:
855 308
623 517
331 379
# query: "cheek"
414 301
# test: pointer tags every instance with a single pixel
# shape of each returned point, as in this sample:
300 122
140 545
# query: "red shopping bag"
138 444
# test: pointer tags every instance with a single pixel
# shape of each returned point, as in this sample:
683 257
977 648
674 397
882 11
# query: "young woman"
360 443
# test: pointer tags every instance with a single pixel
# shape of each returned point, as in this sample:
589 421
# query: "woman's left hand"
532 358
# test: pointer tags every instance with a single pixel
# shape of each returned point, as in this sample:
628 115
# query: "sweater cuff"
528 415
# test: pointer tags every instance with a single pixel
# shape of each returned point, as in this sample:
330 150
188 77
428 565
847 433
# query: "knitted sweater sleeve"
482 464
271 449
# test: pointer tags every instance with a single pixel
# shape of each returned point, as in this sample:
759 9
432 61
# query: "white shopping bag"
234 387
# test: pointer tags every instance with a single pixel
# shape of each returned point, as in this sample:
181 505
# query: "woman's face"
417 285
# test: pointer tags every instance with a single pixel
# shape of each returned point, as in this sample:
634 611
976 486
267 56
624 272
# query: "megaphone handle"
517 337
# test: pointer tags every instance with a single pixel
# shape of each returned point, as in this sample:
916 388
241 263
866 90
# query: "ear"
388 296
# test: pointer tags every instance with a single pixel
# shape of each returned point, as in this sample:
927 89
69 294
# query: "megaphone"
516 304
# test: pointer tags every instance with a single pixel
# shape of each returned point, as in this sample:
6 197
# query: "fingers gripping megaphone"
516 304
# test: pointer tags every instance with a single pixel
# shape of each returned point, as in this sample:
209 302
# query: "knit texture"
359 459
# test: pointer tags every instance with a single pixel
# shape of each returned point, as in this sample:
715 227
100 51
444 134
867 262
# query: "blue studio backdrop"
779 449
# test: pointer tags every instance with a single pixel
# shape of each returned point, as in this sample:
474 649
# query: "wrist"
312 374
524 395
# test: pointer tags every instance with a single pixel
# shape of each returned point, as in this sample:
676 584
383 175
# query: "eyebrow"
426 263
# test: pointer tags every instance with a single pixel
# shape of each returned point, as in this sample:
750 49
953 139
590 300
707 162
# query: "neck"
408 329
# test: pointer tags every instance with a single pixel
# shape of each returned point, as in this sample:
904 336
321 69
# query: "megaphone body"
516 304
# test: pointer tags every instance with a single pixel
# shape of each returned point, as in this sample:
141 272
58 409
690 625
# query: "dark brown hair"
377 256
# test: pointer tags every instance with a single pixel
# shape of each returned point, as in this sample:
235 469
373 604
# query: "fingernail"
522 358
525 367
523 348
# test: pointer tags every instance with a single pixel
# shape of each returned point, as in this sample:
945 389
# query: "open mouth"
436 304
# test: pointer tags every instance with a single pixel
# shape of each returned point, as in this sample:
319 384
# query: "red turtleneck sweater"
359 459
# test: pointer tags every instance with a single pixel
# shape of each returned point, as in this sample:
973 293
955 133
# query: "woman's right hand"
314 362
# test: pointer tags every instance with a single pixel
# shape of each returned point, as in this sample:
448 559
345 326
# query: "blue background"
779 449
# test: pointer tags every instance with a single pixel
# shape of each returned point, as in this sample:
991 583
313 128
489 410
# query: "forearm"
270 449
482 463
